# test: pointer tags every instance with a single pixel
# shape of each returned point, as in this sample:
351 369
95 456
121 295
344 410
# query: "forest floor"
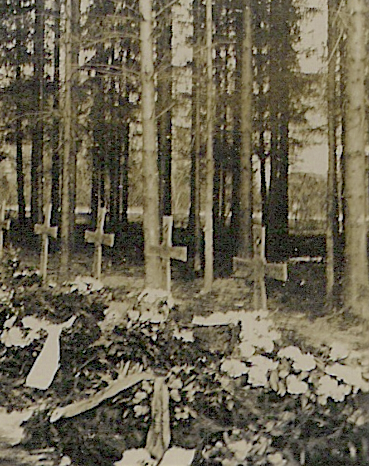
297 306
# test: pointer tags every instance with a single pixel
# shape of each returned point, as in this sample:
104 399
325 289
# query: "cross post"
256 269
4 225
45 230
99 238
166 251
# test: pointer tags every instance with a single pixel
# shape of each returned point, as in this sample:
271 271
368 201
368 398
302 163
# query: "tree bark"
246 178
164 102
277 209
75 31
153 279
209 251
67 143
18 129
194 224
332 201
356 285
55 136
38 129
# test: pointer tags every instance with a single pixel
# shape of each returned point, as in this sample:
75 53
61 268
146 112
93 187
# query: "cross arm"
45 230
107 239
178 253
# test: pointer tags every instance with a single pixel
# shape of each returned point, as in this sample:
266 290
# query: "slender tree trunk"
38 130
236 171
75 25
55 136
194 223
67 143
18 131
124 182
342 103
164 59
332 202
98 153
356 290
263 187
209 251
151 224
20 174
246 181
277 210
218 137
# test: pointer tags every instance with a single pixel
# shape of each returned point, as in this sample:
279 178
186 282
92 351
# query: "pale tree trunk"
67 143
245 236
356 289
194 224
332 202
209 250
164 121
151 224
38 129
75 25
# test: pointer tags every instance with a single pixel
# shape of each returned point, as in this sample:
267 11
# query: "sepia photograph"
184 275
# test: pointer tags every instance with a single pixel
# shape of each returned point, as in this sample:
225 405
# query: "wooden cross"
257 268
166 252
45 230
4 225
99 238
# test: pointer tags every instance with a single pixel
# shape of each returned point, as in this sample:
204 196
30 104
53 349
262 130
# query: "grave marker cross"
257 268
45 230
99 238
166 251
4 225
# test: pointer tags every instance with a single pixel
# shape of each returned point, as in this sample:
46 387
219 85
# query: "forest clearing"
174 290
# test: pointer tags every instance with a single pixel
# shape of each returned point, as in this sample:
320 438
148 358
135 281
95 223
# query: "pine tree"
151 224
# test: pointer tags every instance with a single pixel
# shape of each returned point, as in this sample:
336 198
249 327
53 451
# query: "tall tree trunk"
151 224
263 186
218 137
67 143
124 181
209 250
164 59
277 210
332 201
356 289
18 129
342 104
246 178
38 130
20 173
75 25
55 136
194 224
236 171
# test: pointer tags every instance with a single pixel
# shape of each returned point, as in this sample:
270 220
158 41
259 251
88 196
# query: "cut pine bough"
123 382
